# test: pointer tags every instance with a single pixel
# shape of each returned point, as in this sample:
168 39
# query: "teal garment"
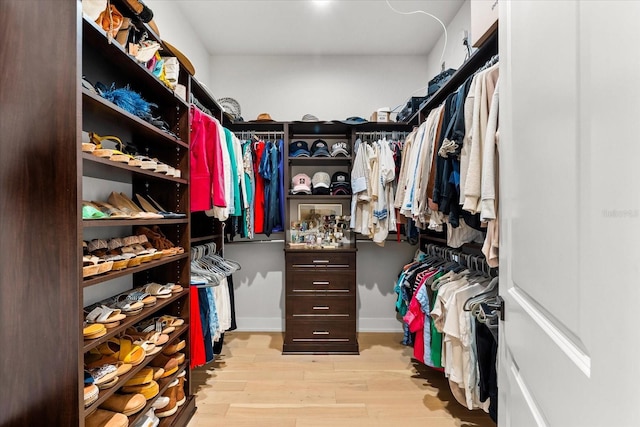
436 337
236 205
247 223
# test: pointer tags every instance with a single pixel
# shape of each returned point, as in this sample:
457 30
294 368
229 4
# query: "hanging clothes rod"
478 263
392 135
250 134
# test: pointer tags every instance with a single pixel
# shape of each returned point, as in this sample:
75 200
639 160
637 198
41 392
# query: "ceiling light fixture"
321 3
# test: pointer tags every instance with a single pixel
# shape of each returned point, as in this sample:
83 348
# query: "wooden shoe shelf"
109 63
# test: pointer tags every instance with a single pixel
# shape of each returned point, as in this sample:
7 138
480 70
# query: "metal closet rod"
383 134
248 134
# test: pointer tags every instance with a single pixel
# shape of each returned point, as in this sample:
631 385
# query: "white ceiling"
306 27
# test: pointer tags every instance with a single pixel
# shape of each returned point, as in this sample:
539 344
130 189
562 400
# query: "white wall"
329 87
455 52
176 30
259 285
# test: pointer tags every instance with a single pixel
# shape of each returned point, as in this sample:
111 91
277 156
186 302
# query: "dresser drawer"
310 282
321 307
321 260
321 331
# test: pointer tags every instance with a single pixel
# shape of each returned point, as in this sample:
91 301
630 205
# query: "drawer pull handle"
321 261
320 333
321 307
320 283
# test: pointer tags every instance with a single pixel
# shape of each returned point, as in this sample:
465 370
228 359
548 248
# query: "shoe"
180 396
103 418
127 404
149 390
174 348
166 362
144 376
172 406
149 207
127 206
91 393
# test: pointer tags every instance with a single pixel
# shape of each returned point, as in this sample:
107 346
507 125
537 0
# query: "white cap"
339 148
321 179
301 183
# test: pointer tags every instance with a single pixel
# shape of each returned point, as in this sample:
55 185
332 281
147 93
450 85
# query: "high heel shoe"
127 205
153 206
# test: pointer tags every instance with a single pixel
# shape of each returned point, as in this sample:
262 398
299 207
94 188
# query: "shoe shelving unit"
108 63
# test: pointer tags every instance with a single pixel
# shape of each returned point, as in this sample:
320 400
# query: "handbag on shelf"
110 20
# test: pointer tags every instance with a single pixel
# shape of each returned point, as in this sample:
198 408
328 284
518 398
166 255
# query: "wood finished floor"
253 384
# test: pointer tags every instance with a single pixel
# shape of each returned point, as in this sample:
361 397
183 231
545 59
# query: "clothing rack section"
263 165
212 302
374 173
484 53
450 308
224 173
449 169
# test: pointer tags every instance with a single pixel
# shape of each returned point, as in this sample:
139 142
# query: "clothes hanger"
490 291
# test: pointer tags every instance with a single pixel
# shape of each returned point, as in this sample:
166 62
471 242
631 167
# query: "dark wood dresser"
320 301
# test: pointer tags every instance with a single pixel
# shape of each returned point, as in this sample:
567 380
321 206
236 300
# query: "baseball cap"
309 118
321 183
339 149
340 190
319 148
301 184
354 121
340 178
299 149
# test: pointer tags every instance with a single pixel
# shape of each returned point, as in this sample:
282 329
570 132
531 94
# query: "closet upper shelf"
201 92
477 60
98 167
116 54
298 129
143 130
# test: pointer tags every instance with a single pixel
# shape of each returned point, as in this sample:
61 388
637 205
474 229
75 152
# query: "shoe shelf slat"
106 393
105 166
132 320
136 71
125 272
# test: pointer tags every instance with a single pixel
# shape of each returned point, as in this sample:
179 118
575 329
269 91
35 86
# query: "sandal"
158 290
98 140
87 145
145 162
129 352
111 211
91 211
104 314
